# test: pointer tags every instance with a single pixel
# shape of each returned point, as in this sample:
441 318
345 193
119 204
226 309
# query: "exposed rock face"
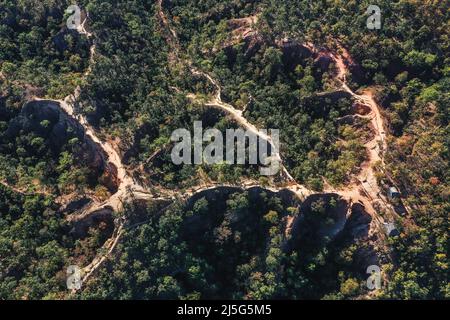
32 91
334 96
60 128
357 228
253 43
337 224
75 205
306 224
324 219
242 29
358 223
34 114
323 62
293 51
361 109
104 216
110 178
197 225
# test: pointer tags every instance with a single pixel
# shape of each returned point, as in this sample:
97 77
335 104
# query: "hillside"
87 170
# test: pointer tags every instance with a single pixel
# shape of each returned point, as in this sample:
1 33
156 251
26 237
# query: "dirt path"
240 119
376 146
364 187
23 191
110 245
128 188
126 182
238 116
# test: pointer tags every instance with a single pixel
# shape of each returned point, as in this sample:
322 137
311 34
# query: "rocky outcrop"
48 120
360 108
333 96
293 52
103 217
358 223
75 205
242 29
323 62
34 114
319 219
329 220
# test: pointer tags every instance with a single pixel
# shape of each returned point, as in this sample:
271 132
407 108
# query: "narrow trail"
23 191
128 189
301 190
364 187
126 183
238 116
109 245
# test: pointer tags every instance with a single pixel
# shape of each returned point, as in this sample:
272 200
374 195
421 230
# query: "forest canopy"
140 69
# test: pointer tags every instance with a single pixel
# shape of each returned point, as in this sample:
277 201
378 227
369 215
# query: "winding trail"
364 187
126 184
217 102
301 190
128 189
238 116
23 191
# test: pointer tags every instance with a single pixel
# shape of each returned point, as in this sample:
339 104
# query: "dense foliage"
231 245
38 54
406 60
135 94
37 246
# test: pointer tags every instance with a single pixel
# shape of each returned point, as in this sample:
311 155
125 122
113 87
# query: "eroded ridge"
363 188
